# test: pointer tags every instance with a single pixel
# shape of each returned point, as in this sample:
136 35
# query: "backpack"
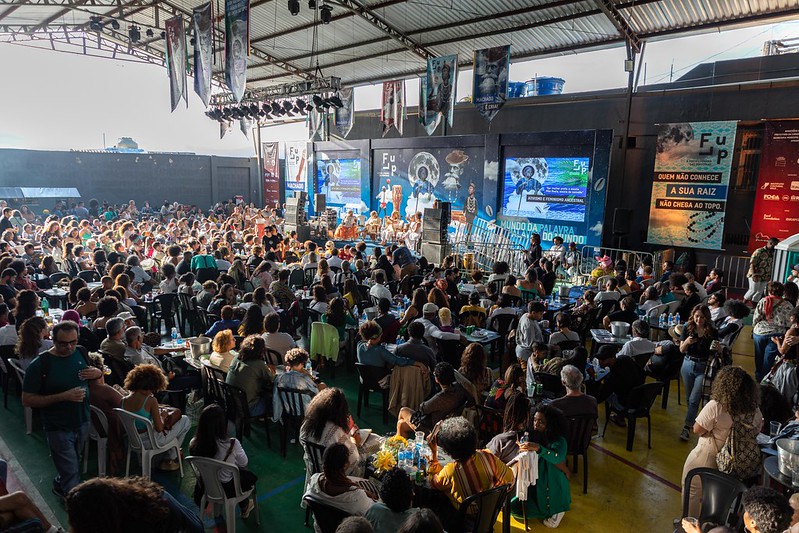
45 366
740 455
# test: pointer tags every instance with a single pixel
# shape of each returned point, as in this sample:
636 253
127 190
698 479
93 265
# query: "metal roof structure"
369 41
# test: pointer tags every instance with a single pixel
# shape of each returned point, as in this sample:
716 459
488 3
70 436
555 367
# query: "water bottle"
308 366
524 439
363 317
174 336
45 307
676 319
662 320
671 319
179 339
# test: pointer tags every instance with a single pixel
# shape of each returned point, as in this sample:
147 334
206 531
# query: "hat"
429 307
604 261
795 267
125 315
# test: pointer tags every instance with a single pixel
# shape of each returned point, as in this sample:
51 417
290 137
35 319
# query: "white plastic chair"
21 377
208 470
602 280
135 443
674 306
99 434
658 310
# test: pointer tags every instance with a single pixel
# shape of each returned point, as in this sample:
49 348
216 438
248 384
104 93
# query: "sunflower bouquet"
394 444
384 461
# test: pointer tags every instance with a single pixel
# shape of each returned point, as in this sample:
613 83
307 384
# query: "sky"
62 101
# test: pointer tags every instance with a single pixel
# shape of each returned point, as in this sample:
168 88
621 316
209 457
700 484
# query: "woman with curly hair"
473 367
734 399
127 505
696 340
33 338
27 304
144 382
438 297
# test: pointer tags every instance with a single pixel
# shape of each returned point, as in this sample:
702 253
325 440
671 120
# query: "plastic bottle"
662 320
45 307
179 339
671 319
308 366
524 438
174 335
530 385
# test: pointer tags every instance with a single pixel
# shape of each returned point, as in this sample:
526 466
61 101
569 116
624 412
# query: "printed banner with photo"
176 60
392 108
428 118
491 80
316 123
776 212
690 183
442 75
339 179
237 45
412 179
271 151
345 115
296 159
202 21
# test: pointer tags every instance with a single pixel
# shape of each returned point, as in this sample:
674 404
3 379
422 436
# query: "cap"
124 315
429 307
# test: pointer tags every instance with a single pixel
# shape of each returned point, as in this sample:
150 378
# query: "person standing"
760 266
56 384
533 254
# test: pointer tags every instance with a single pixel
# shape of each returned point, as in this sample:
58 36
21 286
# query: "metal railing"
735 268
489 243
633 258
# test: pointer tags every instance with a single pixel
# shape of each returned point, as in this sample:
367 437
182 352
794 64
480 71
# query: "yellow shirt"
480 472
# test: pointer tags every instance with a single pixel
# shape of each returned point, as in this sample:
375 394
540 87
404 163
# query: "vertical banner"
316 123
295 167
237 45
245 125
428 118
393 107
491 80
442 75
689 191
345 115
223 127
202 21
271 173
776 212
176 60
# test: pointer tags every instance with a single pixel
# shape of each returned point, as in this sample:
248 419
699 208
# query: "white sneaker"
554 521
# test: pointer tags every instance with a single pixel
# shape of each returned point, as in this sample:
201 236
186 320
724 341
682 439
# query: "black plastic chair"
642 359
89 276
273 357
315 452
238 339
163 309
119 370
552 384
568 345
489 423
449 351
238 410
56 277
578 437
189 318
296 278
502 324
515 301
484 508
472 318
721 496
672 375
293 413
369 378
210 388
605 308
326 517
6 353
308 276
640 400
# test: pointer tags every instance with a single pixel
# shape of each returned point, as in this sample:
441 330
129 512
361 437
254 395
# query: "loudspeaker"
621 221
303 232
446 212
435 253
319 202
434 228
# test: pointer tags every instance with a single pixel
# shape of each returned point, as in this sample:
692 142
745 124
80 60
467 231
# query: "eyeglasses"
66 343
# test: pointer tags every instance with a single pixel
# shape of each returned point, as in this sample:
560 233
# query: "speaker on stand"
621 224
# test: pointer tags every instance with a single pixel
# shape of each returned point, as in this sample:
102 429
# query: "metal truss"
621 24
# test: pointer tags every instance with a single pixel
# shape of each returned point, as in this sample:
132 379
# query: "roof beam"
621 24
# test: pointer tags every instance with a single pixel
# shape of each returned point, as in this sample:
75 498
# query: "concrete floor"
631 492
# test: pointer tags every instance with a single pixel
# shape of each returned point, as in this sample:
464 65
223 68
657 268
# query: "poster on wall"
339 179
392 109
442 77
271 173
776 212
176 60
202 22
296 155
237 45
491 80
411 179
690 183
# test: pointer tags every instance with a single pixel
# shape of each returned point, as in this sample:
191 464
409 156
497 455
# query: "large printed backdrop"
414 178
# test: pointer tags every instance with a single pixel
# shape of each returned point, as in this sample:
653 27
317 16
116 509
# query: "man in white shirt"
528 331
431 331
8 332
274 339
138 353
334 260
610 292
640 342
700 290
379 290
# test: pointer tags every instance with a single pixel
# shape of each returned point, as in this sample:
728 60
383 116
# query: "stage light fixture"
276 109
326 13
163 35
254 109
114 24
301 106
149 32
134 34
193 41
335 101
95 24
288 108
317 101
294 7
311 4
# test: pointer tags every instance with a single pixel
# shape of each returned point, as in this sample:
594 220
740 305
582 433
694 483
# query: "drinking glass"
795 477
774 428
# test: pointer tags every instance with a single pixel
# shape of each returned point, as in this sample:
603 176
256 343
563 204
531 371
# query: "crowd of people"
256 289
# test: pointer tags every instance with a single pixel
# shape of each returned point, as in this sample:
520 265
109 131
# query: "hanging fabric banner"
491 80
223 127
295 166
442 75
176 60
271 173
237 45
428 118
393 107
245 124
345 116
316 123
691 179
202 21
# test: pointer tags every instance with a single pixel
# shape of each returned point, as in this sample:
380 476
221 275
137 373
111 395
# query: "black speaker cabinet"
320 202
435 253
621 221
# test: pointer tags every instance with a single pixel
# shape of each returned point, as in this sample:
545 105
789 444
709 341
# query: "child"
211 440
445 318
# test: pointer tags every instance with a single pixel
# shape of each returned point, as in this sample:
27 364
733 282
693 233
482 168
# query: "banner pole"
259 154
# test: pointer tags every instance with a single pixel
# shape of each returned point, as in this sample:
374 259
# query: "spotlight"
254 109
335 101
288 108
300 106
163 35
317 101
114 24
134 34
193 41
294 7
276 109
95 24
149 32
326 14
311 4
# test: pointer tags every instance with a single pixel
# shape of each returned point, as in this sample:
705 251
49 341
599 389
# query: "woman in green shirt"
337 315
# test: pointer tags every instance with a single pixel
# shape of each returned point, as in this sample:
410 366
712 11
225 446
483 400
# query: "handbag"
740 455
170 415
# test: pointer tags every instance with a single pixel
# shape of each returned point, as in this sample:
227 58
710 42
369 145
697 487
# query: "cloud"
491 170
596 228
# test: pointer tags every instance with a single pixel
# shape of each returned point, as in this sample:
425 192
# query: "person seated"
585 305
610 292
668 270
626 314
450 399
531 284
510 287
372 353
416 348
700 289
261 299
225 323
19 513
113 344
730 326
473 367
472 471
622 287
138 353
445 320
223 353
528 332
473 314
387 321
295 375
379 290
604 268
394 507
277 340
253 321
715 302
333 487
8 332
765 511
564 333
624 374
575 402
503 388
649 299
249 372
549 498
84 305
504 307
640 343
632 284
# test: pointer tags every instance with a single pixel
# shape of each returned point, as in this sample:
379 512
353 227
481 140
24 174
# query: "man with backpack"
56 384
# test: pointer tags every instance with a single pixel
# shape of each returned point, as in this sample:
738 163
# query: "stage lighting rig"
311 4
114 24
294 7
95 24
335 101
149 32
134 34
326 13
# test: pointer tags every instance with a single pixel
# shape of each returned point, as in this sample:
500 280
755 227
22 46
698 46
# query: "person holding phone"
696 341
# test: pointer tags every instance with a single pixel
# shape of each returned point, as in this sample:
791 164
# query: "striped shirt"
480 472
